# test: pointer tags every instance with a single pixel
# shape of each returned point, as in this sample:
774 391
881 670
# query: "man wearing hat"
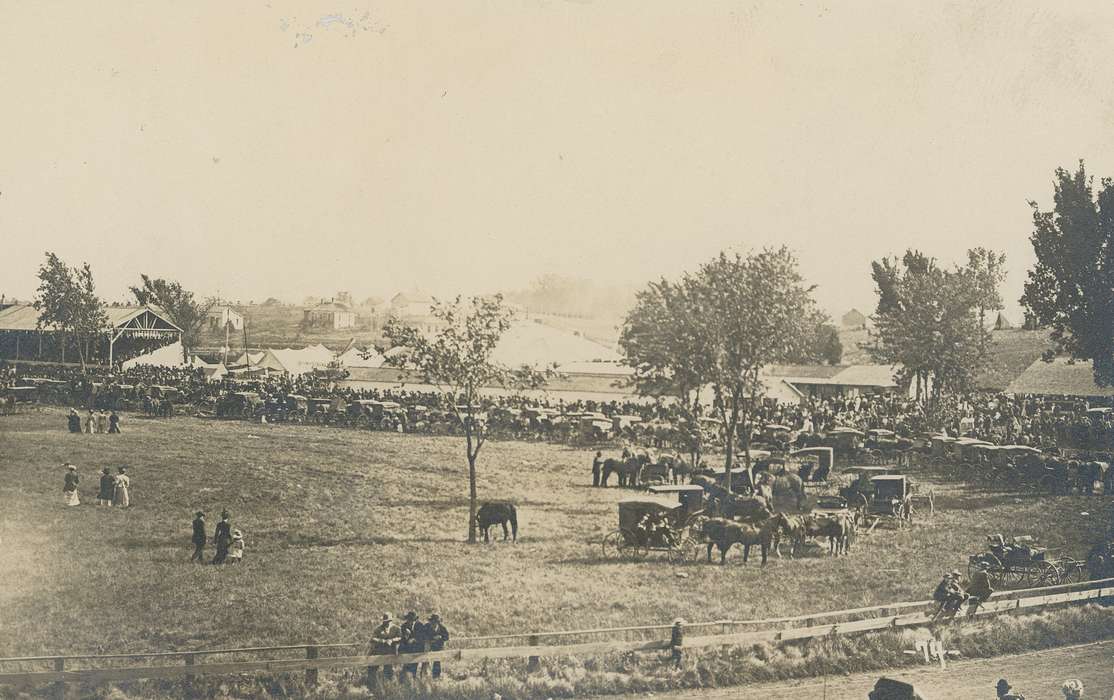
676 640
978 588
434 634
949 594
199 537
1004 692
410 644
385 639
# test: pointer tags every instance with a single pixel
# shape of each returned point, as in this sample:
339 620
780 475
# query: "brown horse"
497 514
794 530
839 529
724 533
785 491
628 469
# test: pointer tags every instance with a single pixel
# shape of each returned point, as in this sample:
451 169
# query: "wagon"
893 499
241 404
297 408
1021 563
816 463
657 523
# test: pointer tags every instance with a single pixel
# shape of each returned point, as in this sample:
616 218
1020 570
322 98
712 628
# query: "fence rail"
1005 601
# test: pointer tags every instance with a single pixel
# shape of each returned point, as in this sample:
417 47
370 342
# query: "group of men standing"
229 542
95 422
411 637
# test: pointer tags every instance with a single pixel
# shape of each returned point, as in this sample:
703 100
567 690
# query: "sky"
286 149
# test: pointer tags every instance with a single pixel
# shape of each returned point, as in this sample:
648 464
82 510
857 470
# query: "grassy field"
342 525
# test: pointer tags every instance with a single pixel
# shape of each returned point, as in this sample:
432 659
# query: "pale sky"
286 149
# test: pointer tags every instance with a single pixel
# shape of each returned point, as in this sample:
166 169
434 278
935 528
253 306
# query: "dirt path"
1037 675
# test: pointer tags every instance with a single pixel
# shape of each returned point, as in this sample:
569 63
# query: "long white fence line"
1002 602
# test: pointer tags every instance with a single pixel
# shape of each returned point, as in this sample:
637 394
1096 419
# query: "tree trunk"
471 485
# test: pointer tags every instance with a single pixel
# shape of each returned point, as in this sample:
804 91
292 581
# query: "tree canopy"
457 359
178 304
67 300
928 320
1070 289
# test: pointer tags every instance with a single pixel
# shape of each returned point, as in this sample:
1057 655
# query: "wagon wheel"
688 549
1074 571
1047 574
616 544
995 570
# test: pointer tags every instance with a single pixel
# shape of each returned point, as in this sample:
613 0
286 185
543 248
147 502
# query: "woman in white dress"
120 497
69 487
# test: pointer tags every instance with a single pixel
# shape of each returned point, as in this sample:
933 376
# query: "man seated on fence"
408 631
432 636
949 594
384 640
978 588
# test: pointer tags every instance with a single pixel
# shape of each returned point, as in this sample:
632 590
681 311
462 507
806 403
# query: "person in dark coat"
199 537
385 639
434 634
222 537
107 489
978 588
677 640
409 630
597 464
74 421
114 423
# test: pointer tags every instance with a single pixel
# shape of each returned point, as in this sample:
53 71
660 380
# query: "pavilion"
130 331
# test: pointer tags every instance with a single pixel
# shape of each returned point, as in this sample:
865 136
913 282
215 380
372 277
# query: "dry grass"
342 525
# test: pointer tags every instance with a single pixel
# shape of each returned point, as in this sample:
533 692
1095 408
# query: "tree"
457 359
179 306
1071 287
752 311
662 340
927 322
987 270
67 301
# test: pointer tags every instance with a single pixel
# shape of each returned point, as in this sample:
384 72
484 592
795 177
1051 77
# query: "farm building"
824 381
330 314
1060 377
130 331
222 317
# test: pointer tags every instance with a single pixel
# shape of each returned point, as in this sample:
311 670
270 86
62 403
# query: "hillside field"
342 525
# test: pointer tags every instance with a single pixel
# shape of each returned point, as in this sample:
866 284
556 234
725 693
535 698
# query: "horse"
839 529
724 533
785 489
678 467
794 529
497 514
628 469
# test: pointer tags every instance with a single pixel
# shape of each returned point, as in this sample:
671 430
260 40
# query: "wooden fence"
727 633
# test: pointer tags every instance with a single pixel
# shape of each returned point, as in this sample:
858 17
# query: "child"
236 549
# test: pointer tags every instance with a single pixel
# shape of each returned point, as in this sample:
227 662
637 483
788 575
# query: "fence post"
311 673
533 663
60 686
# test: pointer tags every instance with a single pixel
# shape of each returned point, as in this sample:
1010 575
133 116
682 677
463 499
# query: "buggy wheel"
615 545
1046 574
688 549
1074 572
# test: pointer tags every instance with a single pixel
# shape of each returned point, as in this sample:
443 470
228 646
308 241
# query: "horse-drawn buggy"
814 464
240 404
17 398
846 443
594 427
1022 562
877 493
658 523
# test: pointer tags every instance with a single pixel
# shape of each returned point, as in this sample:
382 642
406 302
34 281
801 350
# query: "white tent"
300 361
353 358
538 345
166 356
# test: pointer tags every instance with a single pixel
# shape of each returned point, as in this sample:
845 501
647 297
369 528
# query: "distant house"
413 309
853 319
826 381
221 317
330 314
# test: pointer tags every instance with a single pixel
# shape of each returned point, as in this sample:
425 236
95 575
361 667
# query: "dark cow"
497 514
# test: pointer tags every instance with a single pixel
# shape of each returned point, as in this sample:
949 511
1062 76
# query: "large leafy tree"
927 321
179 306
457 359
753 311
663 341
67 301
1071 287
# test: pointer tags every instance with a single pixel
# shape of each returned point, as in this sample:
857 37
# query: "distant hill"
1011 352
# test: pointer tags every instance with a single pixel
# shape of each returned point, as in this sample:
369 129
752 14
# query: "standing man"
108 488
114 423
199 537
435 635
597 464
74 421
677 640
222 537
384 640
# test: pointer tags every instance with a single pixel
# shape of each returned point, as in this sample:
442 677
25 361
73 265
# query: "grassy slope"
342 525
